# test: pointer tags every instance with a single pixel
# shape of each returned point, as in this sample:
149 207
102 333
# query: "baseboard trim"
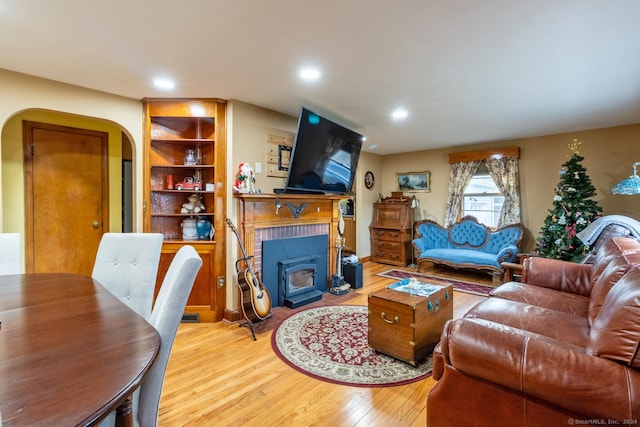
232 315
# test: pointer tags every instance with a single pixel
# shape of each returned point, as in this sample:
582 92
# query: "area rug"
330 344
458 285
279 313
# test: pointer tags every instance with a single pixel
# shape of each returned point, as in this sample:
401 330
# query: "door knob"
96 224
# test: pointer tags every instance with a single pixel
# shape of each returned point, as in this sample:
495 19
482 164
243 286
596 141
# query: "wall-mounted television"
324 158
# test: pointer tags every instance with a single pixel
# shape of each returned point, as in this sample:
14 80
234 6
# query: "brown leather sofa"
559 348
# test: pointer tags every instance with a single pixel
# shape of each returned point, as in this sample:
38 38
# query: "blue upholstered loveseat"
466 244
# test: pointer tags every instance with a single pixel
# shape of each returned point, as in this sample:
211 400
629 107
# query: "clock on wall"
369 180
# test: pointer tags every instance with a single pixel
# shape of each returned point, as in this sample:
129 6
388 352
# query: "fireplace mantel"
257 211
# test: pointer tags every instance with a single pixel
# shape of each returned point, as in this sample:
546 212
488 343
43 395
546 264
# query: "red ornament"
571 230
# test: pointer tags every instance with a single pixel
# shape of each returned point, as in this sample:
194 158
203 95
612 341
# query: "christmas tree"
572 211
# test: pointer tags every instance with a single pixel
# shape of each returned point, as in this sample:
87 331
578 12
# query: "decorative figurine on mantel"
245 179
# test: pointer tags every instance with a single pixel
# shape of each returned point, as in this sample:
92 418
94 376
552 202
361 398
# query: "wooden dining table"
70 352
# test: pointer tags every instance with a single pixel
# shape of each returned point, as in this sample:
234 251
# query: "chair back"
166 316
127 265
10 254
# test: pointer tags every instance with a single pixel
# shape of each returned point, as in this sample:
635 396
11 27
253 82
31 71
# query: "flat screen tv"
324 156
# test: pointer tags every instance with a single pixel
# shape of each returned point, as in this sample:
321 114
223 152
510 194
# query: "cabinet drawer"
398 255
388 245
384 234
387 254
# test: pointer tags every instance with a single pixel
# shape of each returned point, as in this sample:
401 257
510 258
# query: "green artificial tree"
573 209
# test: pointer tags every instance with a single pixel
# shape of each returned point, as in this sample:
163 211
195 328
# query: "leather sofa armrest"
558 373
559 275
438 365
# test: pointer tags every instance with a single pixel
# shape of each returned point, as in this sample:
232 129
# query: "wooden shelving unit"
173 126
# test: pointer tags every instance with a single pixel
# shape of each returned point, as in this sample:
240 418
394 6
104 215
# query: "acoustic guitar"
255 299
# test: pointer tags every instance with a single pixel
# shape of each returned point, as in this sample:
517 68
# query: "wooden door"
66 197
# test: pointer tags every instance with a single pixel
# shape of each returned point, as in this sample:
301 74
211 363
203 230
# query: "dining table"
70 351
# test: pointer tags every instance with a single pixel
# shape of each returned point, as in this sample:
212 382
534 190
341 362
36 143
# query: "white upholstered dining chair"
127 265
10 254
166 316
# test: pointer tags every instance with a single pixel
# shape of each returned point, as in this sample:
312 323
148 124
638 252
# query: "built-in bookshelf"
185 191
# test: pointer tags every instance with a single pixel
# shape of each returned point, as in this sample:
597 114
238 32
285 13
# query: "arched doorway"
120 187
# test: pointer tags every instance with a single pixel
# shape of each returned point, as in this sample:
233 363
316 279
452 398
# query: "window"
482 198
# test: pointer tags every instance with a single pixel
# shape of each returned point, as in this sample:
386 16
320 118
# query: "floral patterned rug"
330 343
458 285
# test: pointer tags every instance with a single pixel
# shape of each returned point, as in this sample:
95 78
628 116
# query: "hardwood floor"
219 376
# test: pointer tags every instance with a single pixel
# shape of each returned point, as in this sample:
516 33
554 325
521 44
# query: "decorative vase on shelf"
190 158
189 229
205 231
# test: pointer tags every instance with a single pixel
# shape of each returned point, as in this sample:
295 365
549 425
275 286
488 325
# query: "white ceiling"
466 70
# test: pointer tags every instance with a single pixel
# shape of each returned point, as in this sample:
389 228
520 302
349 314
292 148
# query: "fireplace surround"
300 214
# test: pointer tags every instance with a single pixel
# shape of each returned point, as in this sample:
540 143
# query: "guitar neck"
242 248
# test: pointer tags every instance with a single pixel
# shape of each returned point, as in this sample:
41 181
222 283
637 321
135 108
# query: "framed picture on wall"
369 180
414 181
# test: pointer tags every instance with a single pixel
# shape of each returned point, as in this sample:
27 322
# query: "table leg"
124 414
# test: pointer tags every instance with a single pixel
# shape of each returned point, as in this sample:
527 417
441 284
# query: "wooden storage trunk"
407 326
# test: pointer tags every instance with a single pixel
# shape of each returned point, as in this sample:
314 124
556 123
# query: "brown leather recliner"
560 347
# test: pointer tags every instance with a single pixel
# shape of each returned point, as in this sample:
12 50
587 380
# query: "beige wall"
609 154
249 127
365 198
22 94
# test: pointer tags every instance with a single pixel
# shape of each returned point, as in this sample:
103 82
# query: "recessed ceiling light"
309 74
373 146
165 84
399 114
